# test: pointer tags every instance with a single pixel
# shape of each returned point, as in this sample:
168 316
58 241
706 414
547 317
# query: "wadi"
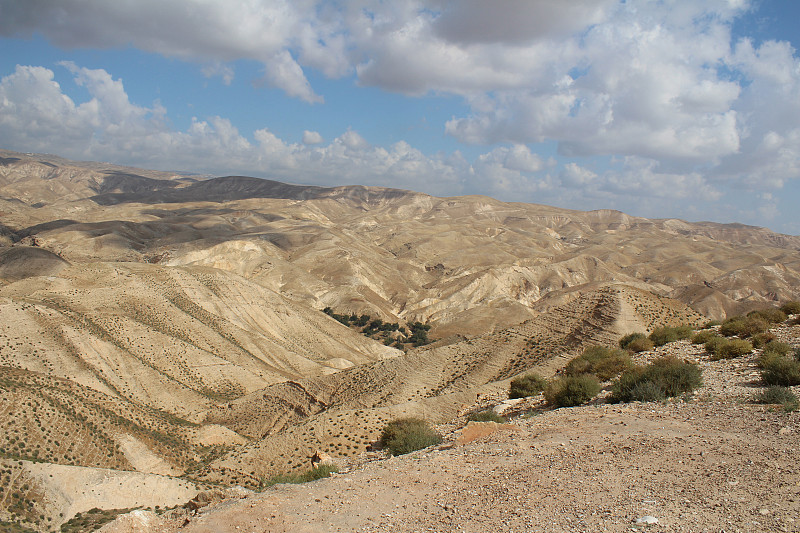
164 335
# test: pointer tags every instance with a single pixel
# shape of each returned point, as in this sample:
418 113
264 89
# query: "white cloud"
657 85
219 69
312 137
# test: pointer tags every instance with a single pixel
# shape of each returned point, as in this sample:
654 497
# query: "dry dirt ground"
713 461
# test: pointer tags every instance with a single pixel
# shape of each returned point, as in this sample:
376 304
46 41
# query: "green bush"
669 374
568 391
647 391
605 363
662 336
773 315
406 435
777 348
776 394
743 326
791 308
527 385
318 472
761 339
641 345
779 370
714 344
625 341
731 348
486 416
702 337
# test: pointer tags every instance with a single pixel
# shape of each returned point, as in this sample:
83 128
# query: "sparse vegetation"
772 315
728 348
625 341
406 435
668 374
779 370
568 391
777 394
641 345
702 337
759 340
662 336
528 385
791 308
486 415
389 333
318 472
744 327
605 363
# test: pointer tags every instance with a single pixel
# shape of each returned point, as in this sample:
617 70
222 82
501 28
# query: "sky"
661 108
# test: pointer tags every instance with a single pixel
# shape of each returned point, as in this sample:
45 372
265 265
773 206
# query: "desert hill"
167 330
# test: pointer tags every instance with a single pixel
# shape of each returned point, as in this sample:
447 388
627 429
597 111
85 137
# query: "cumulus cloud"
660 87
35 115
312 137
206 32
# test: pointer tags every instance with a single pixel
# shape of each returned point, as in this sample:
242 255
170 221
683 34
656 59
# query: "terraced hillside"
343 413
174 339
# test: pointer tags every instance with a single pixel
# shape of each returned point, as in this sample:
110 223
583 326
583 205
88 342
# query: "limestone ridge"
343 412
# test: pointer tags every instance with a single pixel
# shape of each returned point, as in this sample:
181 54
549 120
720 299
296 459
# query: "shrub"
318 472
661 336
405 435
647 391
714 344
641 345
605 363
669 374
527 385
760 339
731 348
702 337
791 308
776 394
777 347
772 315
779 370
486 416
625 341
743 326
569 391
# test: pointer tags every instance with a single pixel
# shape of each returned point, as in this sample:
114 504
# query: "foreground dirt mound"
692 466
709 461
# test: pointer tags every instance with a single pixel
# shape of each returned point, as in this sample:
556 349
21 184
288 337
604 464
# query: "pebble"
647 520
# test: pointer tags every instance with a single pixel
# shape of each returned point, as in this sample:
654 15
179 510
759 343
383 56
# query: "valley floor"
710 462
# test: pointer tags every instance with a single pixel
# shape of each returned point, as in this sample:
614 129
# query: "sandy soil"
710 462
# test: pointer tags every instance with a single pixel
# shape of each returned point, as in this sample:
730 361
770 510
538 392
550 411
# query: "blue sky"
679 109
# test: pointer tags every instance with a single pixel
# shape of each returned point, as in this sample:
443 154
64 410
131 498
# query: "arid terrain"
162 334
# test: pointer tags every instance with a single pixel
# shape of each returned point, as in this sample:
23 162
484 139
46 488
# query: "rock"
321 458
647 520
208 497
786 430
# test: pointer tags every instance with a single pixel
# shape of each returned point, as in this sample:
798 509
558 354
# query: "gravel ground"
710 462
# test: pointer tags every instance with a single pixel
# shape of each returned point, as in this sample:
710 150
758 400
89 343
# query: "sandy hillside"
713 461
172 333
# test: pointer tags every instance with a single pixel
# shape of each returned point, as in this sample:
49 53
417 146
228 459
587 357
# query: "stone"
647 520
321 458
